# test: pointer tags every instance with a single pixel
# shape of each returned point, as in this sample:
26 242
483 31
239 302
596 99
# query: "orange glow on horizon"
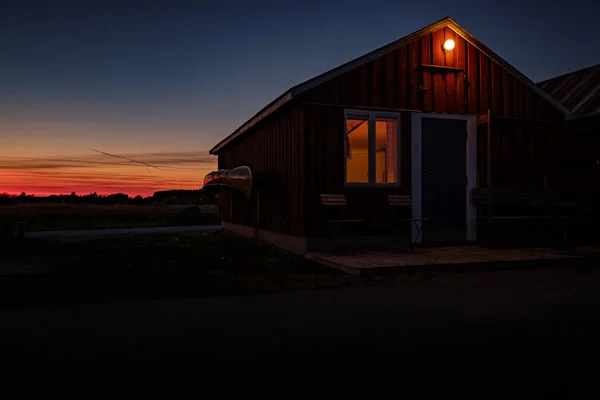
142 174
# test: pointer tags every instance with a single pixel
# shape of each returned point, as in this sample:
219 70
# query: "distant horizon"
89 193
105 173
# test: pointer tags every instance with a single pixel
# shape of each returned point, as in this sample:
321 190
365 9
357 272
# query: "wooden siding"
397 81
578 149
324 173
579 157
274 150
523 154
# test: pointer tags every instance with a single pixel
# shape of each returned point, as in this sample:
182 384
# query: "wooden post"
489 174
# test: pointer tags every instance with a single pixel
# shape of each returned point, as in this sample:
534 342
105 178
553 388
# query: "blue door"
444 180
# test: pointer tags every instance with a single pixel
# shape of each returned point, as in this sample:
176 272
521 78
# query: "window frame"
372 116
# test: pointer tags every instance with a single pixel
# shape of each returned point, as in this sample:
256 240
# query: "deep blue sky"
150 76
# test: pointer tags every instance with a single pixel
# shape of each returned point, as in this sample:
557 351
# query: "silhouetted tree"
137 200
179 197
117 198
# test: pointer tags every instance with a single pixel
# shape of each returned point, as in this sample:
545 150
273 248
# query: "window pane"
357 149
386 150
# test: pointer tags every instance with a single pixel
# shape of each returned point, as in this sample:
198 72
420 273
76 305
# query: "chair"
404 201
335 205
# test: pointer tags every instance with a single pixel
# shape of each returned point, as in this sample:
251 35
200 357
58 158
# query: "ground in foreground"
42 271
39 272
504 320
50 217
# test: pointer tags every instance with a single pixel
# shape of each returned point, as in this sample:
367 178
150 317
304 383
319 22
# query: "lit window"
372 148
386 150
357 149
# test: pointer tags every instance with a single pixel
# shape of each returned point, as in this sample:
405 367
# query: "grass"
68 217
42 272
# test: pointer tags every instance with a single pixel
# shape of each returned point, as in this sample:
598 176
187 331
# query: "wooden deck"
357 262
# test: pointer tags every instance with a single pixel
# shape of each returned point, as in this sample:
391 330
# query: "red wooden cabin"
408 118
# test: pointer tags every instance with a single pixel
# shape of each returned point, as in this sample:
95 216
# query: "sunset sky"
158 83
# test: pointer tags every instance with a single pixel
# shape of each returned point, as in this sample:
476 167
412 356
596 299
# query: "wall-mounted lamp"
448 45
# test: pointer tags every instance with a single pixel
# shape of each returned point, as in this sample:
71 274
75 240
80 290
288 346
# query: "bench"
505 205
335 209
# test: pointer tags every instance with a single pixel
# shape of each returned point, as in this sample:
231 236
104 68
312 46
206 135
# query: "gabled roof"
311 83
579 91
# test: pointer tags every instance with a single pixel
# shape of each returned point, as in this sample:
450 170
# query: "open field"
163 266
65 216
36 272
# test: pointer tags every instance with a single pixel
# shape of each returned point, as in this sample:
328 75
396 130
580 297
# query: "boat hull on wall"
239 179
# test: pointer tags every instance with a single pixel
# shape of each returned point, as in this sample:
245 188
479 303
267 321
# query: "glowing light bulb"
448 44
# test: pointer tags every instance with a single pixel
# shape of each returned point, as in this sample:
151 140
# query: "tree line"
165 197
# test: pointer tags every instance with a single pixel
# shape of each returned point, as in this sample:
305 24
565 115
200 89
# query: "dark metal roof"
579 91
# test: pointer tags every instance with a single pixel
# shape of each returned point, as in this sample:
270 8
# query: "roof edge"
332 73
567 74
503 63
365 58
263 113
325 76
